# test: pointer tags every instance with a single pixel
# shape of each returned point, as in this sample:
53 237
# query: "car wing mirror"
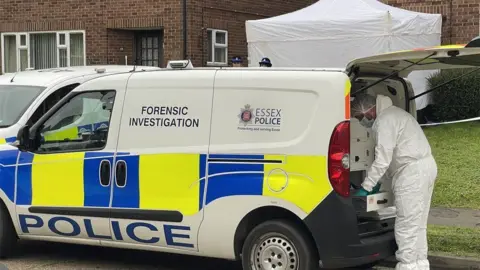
23 142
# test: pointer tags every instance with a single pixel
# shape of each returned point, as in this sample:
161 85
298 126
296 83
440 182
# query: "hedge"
457 100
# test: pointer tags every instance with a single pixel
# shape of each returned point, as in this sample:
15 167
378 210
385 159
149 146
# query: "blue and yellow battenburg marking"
7 140
162 181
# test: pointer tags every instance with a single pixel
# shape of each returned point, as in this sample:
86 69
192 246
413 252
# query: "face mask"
367 123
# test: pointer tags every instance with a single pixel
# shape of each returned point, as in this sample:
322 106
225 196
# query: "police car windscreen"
14 100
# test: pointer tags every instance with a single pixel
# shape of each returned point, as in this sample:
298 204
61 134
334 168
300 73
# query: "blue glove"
376 189
361 192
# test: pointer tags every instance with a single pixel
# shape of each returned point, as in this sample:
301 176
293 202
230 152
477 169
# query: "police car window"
50 101
80 124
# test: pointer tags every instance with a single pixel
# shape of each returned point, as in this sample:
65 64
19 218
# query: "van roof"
47 77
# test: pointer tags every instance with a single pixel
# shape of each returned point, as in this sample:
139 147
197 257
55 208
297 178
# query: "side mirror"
23 138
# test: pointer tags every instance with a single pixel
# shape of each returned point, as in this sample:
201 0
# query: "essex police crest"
246 115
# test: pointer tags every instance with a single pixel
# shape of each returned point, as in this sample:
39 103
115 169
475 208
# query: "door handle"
121 173
382 201
104 173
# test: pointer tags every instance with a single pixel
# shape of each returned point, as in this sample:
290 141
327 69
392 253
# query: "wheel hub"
275 253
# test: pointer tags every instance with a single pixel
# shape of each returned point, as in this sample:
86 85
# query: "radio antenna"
14 76
134 66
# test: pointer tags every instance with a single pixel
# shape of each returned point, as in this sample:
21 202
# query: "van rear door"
404 62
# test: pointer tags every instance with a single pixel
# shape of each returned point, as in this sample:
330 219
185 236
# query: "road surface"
56 256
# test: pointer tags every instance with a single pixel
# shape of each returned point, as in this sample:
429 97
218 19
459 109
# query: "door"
149 48
405 62
64 186
161 159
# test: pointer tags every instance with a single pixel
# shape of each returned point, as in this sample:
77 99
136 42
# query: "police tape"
451 122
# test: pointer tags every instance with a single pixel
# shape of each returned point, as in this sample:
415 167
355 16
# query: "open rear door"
404 62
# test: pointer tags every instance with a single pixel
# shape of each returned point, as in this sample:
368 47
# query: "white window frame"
218 45
27 46
20 48
65 46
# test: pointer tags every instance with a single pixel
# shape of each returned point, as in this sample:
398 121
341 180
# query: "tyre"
8 235
279 245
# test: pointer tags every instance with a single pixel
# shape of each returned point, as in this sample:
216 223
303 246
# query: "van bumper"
369 251
340 239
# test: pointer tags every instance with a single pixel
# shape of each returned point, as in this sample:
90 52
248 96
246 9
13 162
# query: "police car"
26 96
247 164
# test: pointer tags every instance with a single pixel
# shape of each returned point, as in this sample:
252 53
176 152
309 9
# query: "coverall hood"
383 102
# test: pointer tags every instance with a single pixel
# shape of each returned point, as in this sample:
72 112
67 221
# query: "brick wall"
101 20
231 15
460 17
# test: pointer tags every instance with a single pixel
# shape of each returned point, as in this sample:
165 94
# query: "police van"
26 96
250 164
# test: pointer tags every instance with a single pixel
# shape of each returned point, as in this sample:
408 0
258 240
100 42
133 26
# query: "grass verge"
454 241
456 149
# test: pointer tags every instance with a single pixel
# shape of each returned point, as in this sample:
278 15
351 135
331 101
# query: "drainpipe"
185 29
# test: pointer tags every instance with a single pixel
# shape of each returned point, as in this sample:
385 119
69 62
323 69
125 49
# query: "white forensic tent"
331 33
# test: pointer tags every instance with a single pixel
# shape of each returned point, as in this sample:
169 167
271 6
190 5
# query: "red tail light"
339 159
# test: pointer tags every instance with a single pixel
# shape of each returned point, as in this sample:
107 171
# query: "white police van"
251 164
26 96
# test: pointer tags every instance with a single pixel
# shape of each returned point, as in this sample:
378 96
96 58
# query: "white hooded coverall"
403 152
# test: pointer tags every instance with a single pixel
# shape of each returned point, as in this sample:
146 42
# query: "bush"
456 100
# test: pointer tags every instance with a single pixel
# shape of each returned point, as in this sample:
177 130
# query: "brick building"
51 33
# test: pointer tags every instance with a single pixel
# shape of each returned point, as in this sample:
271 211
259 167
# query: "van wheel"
279 245
8 235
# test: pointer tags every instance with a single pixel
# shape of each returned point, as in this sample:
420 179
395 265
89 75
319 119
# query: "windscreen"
14 101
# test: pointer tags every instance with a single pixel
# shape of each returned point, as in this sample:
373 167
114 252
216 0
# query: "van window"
14 101
81 124
50 101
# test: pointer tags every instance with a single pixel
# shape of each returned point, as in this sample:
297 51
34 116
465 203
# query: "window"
81 124
49 102
40 50
14 101
217 46
149 48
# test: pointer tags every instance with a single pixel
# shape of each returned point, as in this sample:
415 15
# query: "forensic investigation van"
250 164
26 96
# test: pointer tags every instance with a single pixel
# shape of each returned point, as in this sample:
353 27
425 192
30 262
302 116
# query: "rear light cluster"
339 159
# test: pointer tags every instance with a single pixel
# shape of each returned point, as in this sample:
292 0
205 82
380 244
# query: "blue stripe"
239 179
24 179
95 195
11 140
7 174
128 196
202 174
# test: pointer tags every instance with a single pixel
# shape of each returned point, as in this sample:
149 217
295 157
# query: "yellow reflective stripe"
308 182
57 179
170 182
452 46
69 133
3 141
348 86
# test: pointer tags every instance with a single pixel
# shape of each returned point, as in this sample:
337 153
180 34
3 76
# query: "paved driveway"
43 255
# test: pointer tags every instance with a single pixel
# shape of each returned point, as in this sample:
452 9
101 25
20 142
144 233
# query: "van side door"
64 186
160 169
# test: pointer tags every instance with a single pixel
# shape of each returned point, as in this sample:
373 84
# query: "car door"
160 168
64 186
